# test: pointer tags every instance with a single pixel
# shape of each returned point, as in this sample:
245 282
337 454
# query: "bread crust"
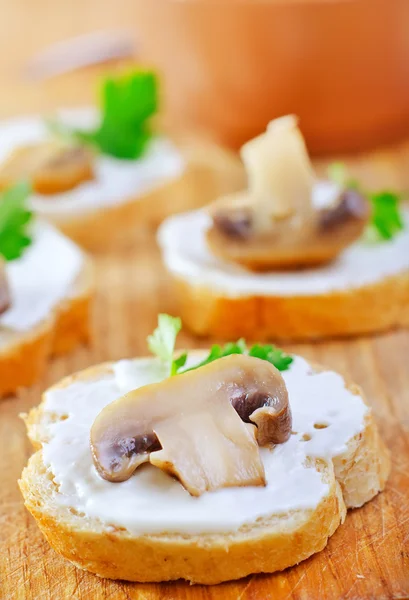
364 310
362 471
24 356
271 544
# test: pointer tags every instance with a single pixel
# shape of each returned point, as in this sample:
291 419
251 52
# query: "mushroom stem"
280 175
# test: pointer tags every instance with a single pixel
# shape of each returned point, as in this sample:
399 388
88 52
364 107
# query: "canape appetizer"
46 289
206 467
98 175
290 257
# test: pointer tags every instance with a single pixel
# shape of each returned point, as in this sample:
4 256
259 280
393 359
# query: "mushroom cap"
289 243
200 425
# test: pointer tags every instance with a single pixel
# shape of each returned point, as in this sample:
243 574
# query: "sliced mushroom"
50 167
274 224
4 289
201 426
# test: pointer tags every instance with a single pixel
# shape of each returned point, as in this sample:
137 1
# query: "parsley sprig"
386 217
14 221
386 220
272 354
267 352
162 344
128 101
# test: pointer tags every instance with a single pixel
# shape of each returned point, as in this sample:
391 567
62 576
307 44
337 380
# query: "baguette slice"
269 544
24 356
364 291
366 310
117 225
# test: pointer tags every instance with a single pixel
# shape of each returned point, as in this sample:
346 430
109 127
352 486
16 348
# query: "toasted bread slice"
273 544
115 225
366 310
269 543
24 355
364 291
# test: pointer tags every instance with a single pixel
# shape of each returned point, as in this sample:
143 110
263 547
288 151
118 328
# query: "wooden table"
367 558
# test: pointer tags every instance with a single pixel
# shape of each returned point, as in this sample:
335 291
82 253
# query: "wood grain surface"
368 557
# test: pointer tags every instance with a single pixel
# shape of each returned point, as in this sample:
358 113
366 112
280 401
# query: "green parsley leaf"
268 352
178 363
162 342
14 220
274 355
386 219
127 103
217 351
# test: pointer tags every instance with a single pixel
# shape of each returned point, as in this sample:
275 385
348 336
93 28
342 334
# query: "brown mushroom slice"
274 224
289 244
4 289
197 425
51 167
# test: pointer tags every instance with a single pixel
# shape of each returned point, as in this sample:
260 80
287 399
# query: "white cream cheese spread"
152 501
187 256
42 277
116 181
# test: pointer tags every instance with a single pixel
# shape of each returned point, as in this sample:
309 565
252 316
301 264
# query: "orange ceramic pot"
232 65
